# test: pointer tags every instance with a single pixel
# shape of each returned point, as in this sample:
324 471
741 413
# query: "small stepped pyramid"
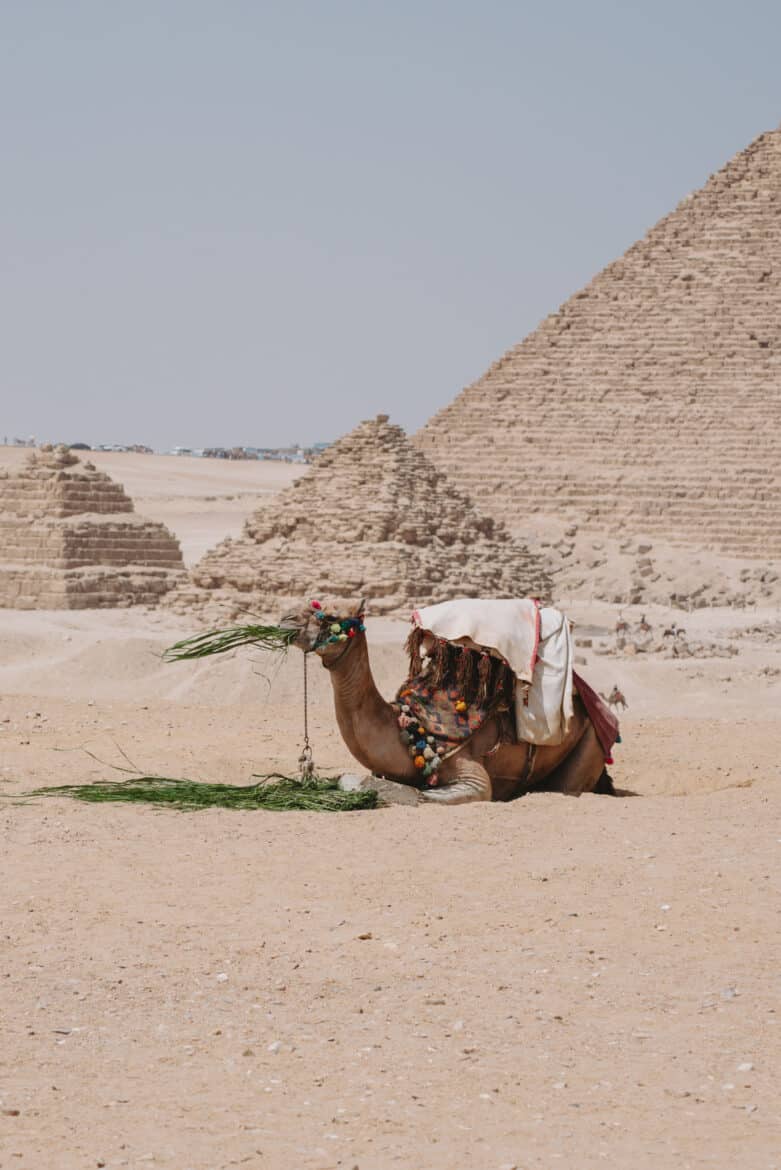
69 539
651 401
372 518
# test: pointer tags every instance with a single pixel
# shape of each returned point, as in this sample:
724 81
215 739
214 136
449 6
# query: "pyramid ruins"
69 539
650 403
372 518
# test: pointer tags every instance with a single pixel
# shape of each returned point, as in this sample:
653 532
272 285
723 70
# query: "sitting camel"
485 767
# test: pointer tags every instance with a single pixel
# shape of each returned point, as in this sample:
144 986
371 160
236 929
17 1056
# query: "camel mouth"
304 639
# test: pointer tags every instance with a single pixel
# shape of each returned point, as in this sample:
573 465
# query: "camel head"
325 632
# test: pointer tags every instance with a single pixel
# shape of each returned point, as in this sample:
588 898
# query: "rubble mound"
372 518
631 638
70 539
638 571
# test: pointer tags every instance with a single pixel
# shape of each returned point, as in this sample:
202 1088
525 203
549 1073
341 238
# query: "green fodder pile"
273 792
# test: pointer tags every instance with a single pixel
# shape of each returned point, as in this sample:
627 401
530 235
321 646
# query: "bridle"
306 763
334 629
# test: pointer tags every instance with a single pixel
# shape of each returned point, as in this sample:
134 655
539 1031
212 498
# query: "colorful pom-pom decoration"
315 605
420 762
460 705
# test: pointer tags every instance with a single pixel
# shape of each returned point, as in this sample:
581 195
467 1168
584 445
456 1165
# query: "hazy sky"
248 222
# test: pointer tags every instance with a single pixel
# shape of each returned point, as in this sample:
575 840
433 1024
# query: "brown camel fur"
481 770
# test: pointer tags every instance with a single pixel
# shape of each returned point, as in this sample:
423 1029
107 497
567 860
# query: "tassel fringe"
412 647
479 677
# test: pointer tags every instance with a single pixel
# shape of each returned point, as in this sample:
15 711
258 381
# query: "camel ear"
360 608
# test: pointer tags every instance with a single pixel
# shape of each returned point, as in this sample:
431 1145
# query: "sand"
553 982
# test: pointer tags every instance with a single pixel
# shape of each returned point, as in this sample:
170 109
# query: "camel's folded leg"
581 771
461 780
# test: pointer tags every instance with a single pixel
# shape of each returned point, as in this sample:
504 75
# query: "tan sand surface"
552 982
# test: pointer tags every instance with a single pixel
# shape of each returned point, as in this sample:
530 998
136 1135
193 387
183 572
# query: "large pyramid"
69 539
651 401
372 518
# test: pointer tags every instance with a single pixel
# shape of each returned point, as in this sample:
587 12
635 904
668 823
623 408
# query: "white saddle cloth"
536 643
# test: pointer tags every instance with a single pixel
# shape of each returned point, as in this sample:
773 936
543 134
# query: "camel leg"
582 769
469 782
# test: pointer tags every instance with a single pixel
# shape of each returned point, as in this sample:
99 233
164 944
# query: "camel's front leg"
460 781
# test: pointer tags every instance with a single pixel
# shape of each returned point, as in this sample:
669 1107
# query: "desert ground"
549 982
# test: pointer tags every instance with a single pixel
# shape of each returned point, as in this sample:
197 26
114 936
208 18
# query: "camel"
486 768
615 699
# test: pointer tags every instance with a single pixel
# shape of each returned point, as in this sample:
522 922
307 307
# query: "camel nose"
303 639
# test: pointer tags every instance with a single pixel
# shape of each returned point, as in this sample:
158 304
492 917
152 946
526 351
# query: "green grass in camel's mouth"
219 641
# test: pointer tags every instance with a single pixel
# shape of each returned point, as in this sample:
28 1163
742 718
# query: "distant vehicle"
179 451
80 447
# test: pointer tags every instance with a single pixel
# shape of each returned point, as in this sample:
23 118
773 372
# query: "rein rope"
306 761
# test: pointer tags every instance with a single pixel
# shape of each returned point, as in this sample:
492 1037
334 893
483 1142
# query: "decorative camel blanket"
534 641
440 709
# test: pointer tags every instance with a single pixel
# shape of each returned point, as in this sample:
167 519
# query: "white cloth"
509 627
535 642
543 714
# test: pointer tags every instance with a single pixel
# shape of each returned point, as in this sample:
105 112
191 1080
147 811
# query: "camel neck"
367 722
351 675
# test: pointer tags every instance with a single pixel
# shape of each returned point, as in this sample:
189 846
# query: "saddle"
453 689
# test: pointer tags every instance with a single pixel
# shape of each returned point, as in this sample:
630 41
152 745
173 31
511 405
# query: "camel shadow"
603 787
